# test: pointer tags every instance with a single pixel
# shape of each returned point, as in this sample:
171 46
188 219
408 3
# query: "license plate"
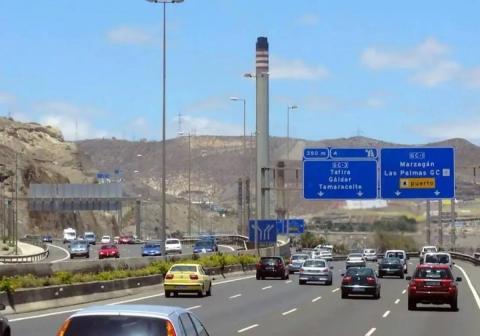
270 269
180 287
357 289
432 283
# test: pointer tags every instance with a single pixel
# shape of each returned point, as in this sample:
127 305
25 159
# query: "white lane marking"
474 291
268 287
235 296
247 328
335 290
386 314
64 250
228 247
289 311
117 302
404 291
370 332
316 299
397 301
288 281
410 263
194 307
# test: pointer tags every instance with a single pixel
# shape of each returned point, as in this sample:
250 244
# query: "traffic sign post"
266 231
343 173
417 173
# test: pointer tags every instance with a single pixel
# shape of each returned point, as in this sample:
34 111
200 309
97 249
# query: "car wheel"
209 291
288 276
380 274
377 295
117 256
71 256
168 294
402 276
344 294
87 256
100 257
454 305
258 277
412 305
301 282
329 282
200 293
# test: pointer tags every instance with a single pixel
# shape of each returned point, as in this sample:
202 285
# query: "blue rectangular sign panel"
296 225
417 173
339 180
266 233
315 153
352 153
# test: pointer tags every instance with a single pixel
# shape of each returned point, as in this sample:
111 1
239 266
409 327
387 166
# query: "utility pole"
189 185
16 204
427 225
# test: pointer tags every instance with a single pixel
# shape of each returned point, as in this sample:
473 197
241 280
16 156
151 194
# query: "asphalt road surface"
244 306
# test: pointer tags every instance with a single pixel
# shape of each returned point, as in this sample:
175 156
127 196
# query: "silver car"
296 262
317 270
79 248
355 260
138 320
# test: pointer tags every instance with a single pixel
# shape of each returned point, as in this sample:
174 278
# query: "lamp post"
289 107
163 223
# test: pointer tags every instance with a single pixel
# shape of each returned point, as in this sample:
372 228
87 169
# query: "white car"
438 258
106 240
400 254
326 255
427 249
355 260
173 245
370 254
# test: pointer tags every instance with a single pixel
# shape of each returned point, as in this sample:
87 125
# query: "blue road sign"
351 153
417 173
267 230
296 225
315 153
339 179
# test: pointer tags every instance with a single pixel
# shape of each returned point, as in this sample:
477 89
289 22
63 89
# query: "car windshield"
360 272
296 257
433 273
152 246
395 255
183 268
392 261
78 244
104 325
204 243
314 263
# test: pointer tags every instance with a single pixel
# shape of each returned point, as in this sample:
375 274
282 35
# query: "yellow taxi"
187 278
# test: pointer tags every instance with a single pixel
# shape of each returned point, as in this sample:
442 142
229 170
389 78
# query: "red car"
108 251
432 284
126 240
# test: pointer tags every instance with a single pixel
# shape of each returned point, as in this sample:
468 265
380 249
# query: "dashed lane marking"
267 287
194 307
335 290
288 281
247 328
235 296
316 299
404 291
386 314
289 311
370 332
397 301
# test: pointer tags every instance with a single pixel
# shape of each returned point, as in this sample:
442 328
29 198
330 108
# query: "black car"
390 267
47 239
4 326
362 281
274 267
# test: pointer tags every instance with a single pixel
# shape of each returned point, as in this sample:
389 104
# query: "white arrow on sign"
397 193
266 234
321 193
359 194
334 153
437 192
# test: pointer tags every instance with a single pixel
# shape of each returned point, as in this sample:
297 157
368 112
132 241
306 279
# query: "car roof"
149 310
433 266
186 265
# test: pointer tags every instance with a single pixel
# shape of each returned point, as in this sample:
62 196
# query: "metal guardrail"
15 259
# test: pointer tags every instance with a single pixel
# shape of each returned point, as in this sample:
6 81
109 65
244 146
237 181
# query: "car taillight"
63 328
346 280
169 276
371 280
170 329
193 277
259 265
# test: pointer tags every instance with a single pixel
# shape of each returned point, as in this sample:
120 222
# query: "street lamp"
163 223
289 107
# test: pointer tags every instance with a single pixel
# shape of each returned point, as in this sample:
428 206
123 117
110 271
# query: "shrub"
63 277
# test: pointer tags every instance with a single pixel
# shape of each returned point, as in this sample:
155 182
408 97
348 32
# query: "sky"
406 72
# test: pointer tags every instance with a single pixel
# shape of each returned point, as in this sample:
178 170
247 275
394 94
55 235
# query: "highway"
59 252
241 305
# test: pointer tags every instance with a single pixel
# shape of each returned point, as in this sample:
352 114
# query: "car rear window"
392 261
314 263
369 251
152 246
437 259
299 257
172 241
117 325
360 272
355 255
106 247
433 273
395 255
204 243
270 261
183 268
